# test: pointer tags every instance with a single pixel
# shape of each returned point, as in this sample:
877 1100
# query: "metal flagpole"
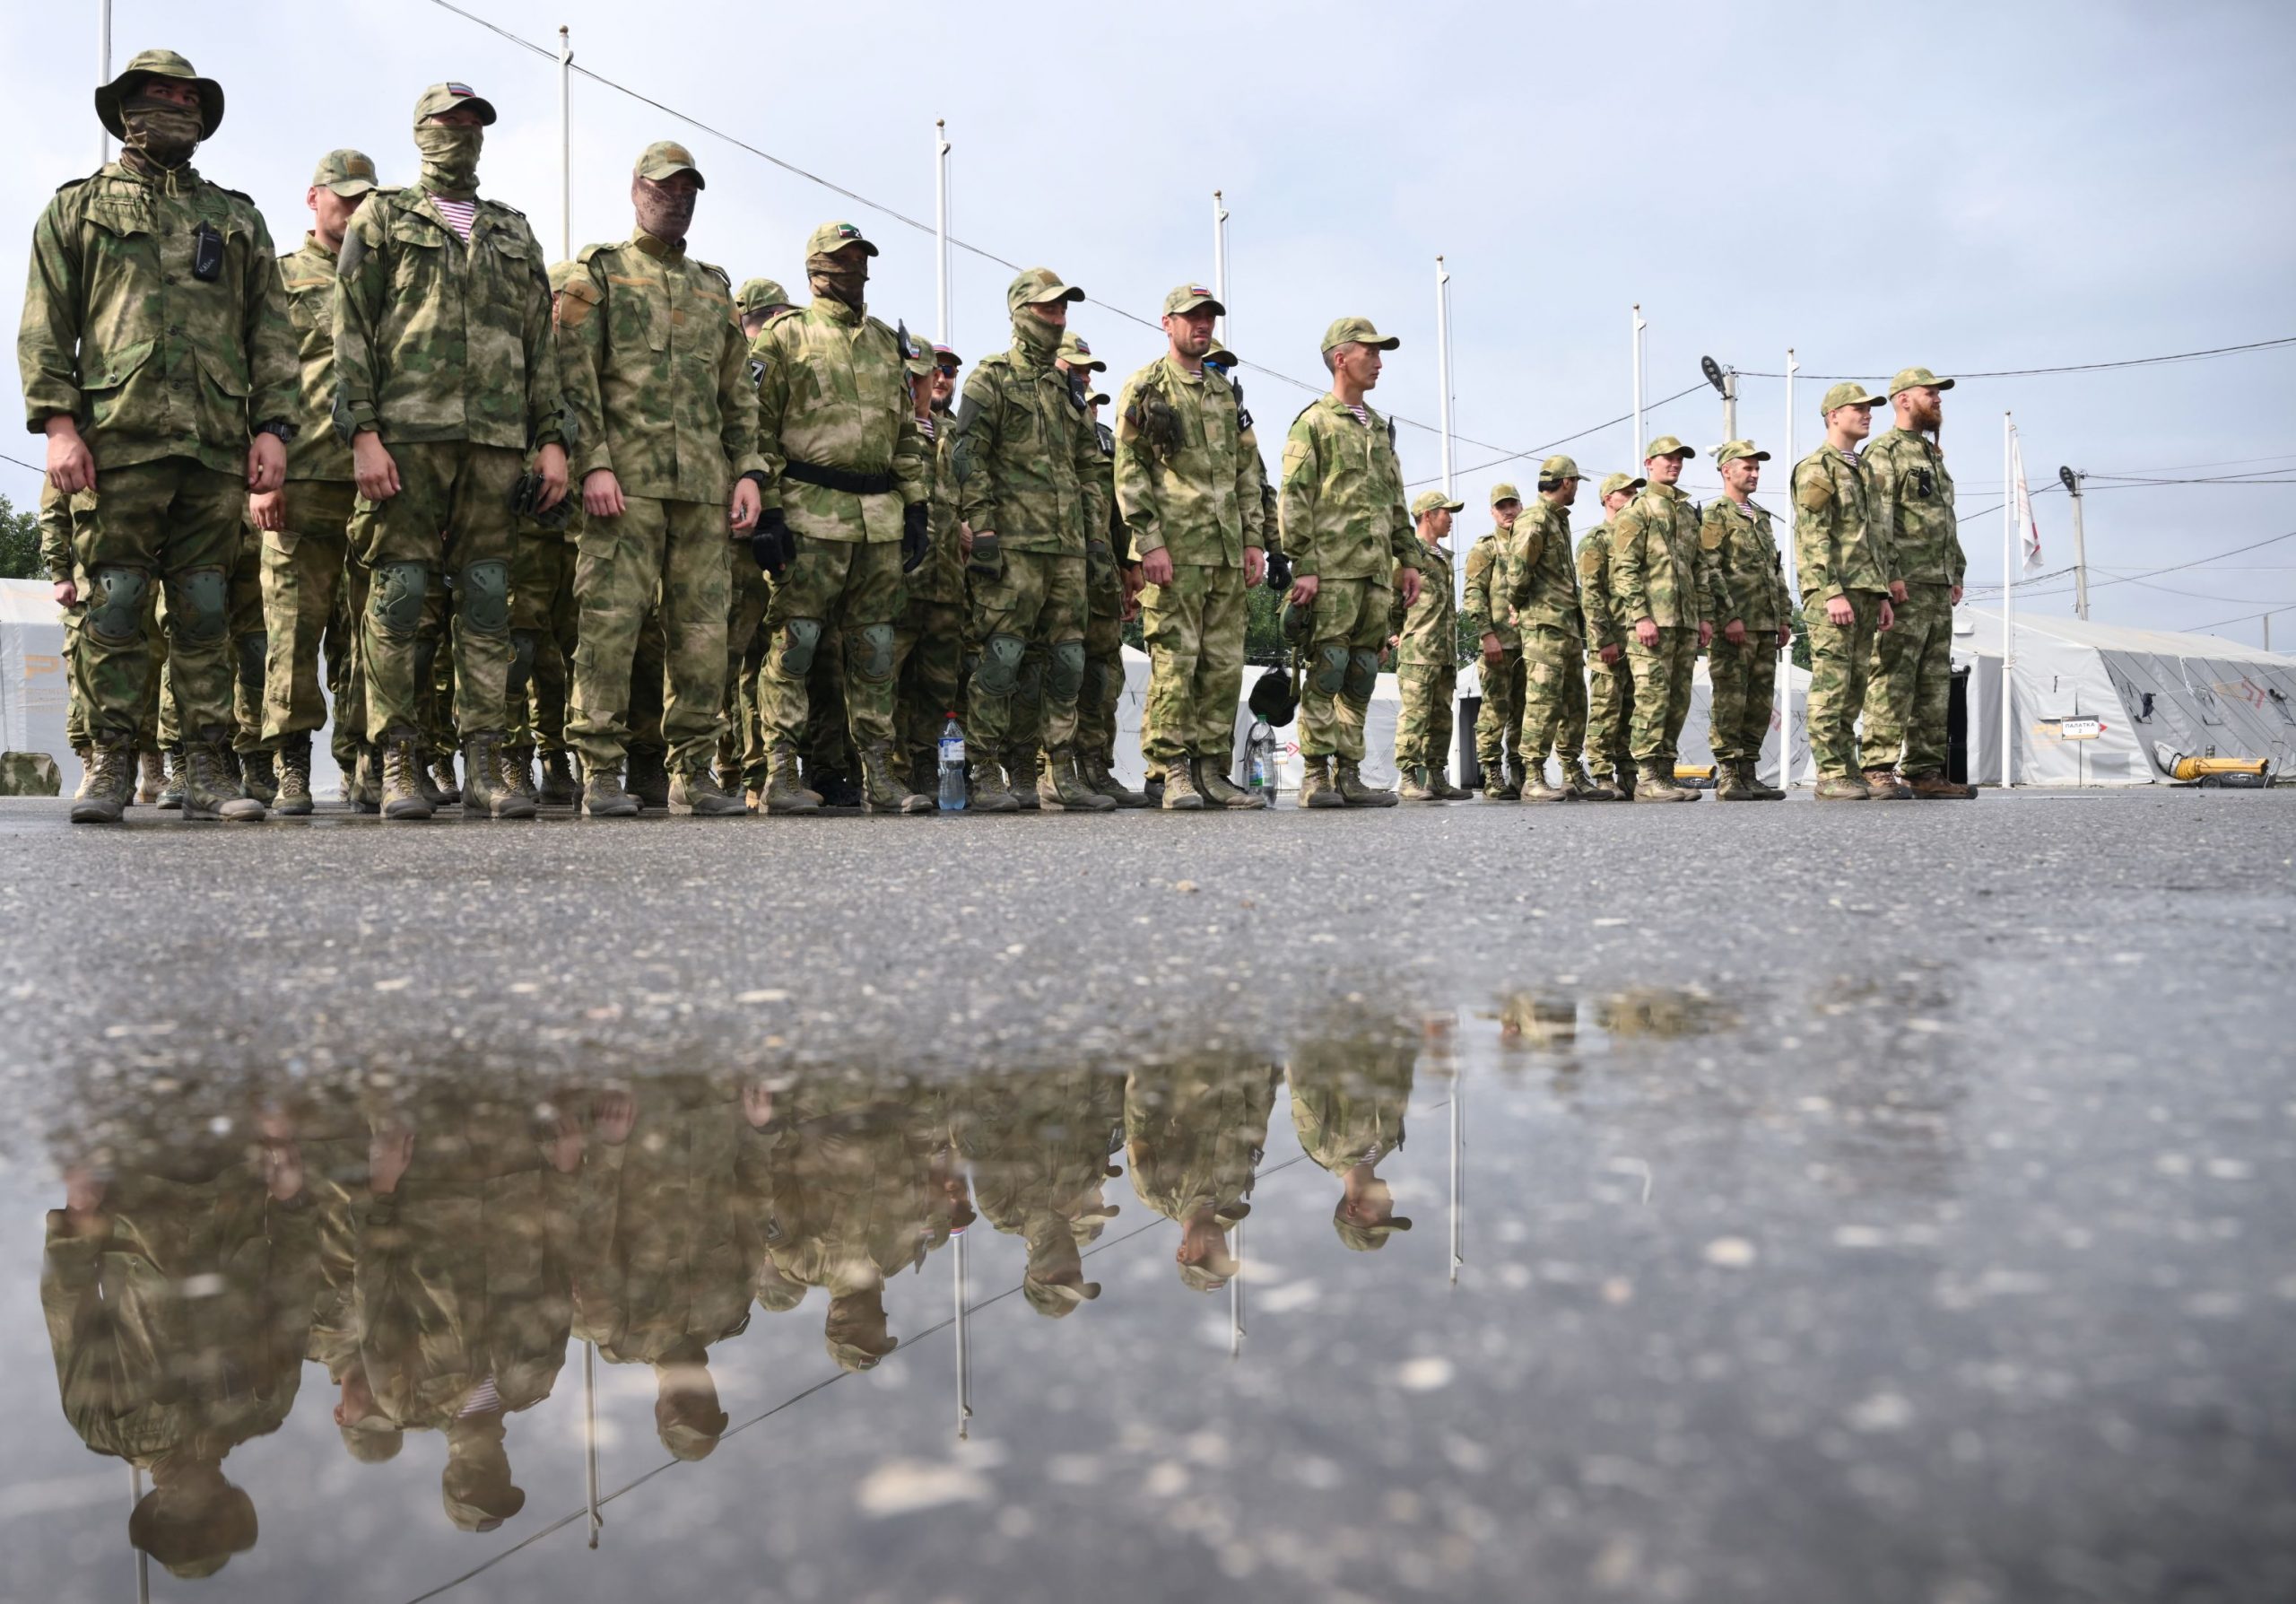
103 73
2008 600
1443 364
565 146
1458 1178
1220 261
1236 1299
135 1471
1638 327
941 225
964 1335
1785 565
590 1433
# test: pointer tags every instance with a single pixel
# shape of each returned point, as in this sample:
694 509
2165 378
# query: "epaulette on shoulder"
714 270
584 255
501 206
75 183
237 195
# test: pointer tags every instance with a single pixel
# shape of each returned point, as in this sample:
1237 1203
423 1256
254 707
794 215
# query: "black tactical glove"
526 500
916 537
988 557
1279 571
771 544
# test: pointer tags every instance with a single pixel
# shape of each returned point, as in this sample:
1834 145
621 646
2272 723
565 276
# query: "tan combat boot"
1936 787
208 791
172 786
111 782
1222 791
1883 786
259 778
1534 786
362 787
1098 776
402 793
697 792
1579 784
602 796
1348 778
1439 780
1061 788
294 798
1842 788
881 792
154 775
1315 789
1652 783
1414 785
485 796
518 773
87 756
782 792
557 787
438 779
1509 787
1731 783
1180 795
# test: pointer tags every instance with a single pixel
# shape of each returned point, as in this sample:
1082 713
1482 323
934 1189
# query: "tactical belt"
841 479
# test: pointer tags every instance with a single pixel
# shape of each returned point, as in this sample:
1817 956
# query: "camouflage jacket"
1342 504
1196 1134
55 534
655 372
1027 456
1745 556
1535 575
1427 631
1188 481
1595 604
941 577
1348 1099
1839 543
121 336
1486 615
307 276
437 340
1658 571
1109 545
832 392
1914 503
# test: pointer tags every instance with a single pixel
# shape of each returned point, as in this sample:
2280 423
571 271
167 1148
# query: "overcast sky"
1967 187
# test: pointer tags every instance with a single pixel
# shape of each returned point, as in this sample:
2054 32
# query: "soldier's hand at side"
1889 615
372 467
1255 566
1491 647
964 541
70 467
1609 654
1705 634
549 463
746 506
1734 631
1646 630
1839 613
389 1152
566 1146
67 594
1410 586
267 511
757 1105
83 1202
1304 589
1156 567
616 1114
1896 590
266 464
602 495
1784 634
1957 596
282 1168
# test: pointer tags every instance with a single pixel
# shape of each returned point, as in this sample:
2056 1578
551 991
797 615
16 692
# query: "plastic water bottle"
1259 762
953 766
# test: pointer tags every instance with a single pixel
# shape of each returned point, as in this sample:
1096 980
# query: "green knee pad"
801 638
1064 675
1000 664
1330 674
869 653
254 651
396 602
116 604
483 591
1362 674
523 645
206 604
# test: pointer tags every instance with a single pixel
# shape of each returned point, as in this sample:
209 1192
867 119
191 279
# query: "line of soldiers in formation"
503 498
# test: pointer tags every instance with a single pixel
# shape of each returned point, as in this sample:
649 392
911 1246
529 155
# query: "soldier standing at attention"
847 511
1663 584
659 386
1909 694
1190 495
1345 530
157 357
1610 678
741 747
1107 553
1501 667
929 646
1743 661
446 377
1426 638
1843 558
1541 588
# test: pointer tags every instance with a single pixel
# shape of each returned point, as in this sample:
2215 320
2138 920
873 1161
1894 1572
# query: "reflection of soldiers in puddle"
1541 1024
178 1290
1348 1097
1195 1132
665 1252
1663 1012
462 1286
858 1184
1040 1147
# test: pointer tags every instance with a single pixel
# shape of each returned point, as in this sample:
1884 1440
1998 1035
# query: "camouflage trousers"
1554 698
671 554
1194 628
451 517
1502 716
741 747
307 572
928 654
1030 622
172 527
1745 687
1609 710
1351 631
1910 684
838 592
1423 717
1096 704
249 648
1662 677
546 628
1841 656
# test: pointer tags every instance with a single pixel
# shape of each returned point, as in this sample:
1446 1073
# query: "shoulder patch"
1813 492
1711 534
575 301
1243 419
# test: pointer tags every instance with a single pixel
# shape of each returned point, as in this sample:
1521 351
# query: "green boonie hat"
1848 394
1187 297
1356 331
1504 491
1732 450
1614 482
666 158
1908 378
1036 286
834 237
346 172
1666 445
1557 468
1077 353
561 272
1430 499
446 97
158 64
756 295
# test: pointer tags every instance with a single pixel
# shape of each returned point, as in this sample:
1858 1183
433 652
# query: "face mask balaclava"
162 134
450 159
844 278
662 211
1039 338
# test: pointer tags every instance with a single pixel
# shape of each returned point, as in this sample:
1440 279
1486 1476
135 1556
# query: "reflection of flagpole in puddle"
1236 1299
964 1338
136 1478
1458 1172
590 1432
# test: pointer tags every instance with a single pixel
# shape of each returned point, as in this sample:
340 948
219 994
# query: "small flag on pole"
2029 532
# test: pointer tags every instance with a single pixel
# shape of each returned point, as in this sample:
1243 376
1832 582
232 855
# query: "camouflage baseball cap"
446 97
1220 356
1187 297
1908 378
1037 286
1666 445
158 63
1732 450
759 294
1557 468
1848 394
1430 499
1356 331
1614 482
1077 352
347 173
835 236
1368 1239
916 355
666 157
1504 491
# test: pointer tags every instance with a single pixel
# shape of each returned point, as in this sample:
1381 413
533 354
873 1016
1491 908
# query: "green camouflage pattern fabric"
1026 456
1840 545
1194 630
832 390
1200 500
436 339
1659 569
1195 1132
1348 1099
55 534
1745 681
1914 502
849 586
1554 694
306 276
29 774
1609 713
656 372
1535 575
670 556
1746 560
1662 681
1597 608
1351 631
1500 717
941 577
1040 1147
1840 659
1428 630
1909 685
305 568
544 631
119 335
1485 612
1035 602
1426 694
1341 507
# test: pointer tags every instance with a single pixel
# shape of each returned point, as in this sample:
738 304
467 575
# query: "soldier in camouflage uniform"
1348 1098
1610 675
1541 587
1039 1145
1189 490
1845 564
545 626
1497 725
64 581
1743 662
1107 562
1195 1132
929 643
446 377
306 558
847 511
157 358
1663 586
655 376
1027 463
1909 691
1345 530
1426 640
741 747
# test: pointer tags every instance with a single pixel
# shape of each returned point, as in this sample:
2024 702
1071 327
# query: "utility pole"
565 145
1725 382
2072 482
940 223
1220 262
1638 327
103 73
1443 363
